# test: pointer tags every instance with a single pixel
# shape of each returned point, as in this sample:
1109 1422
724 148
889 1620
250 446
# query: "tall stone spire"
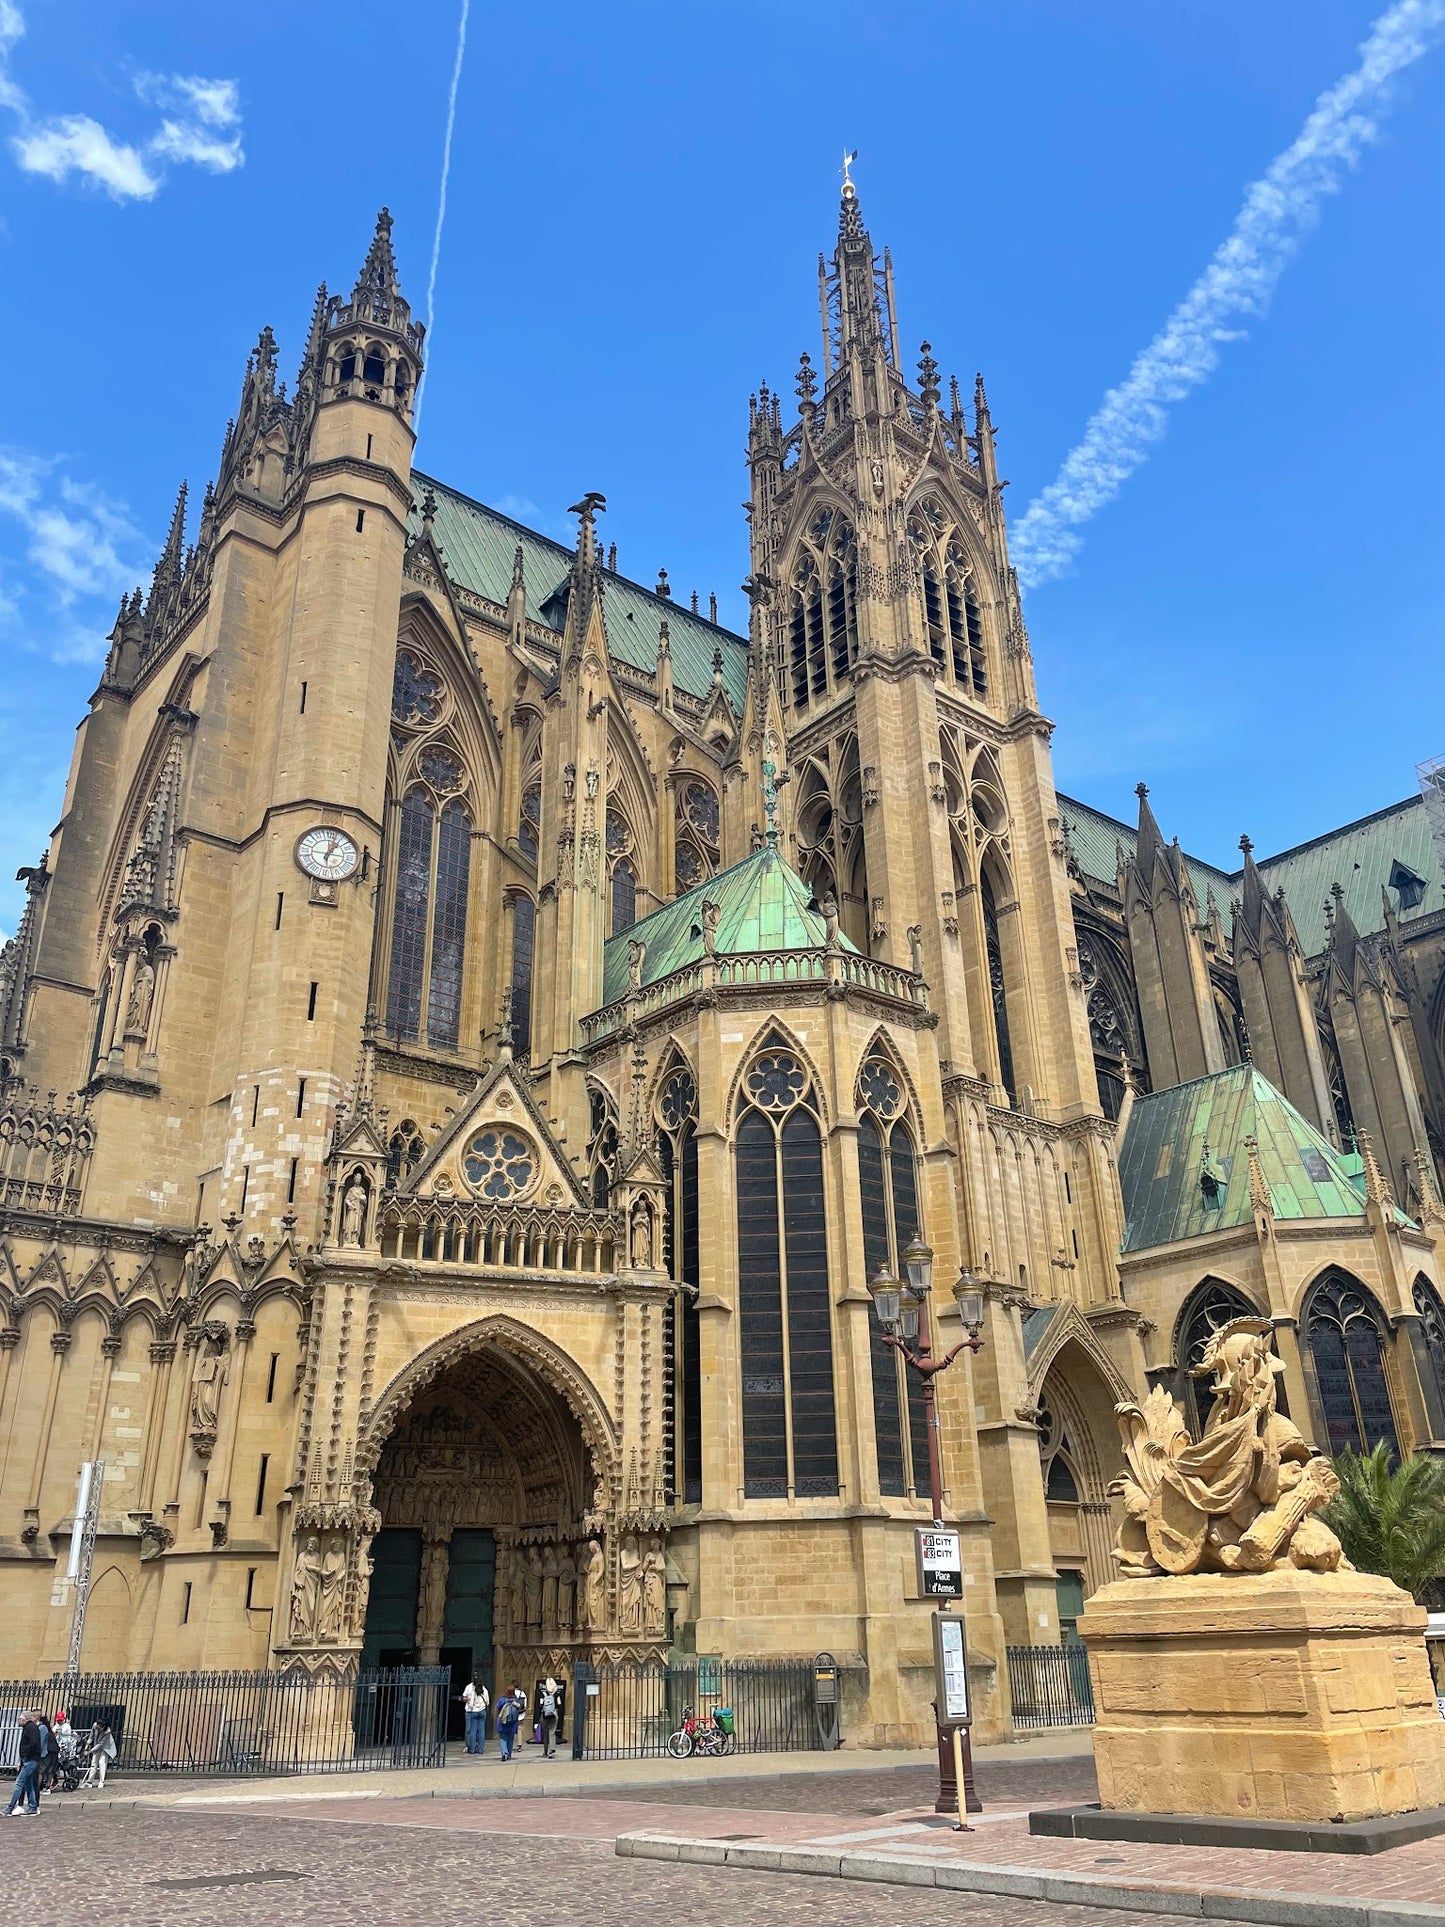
377 283
858 292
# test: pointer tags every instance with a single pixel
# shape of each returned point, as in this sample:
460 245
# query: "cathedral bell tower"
920 790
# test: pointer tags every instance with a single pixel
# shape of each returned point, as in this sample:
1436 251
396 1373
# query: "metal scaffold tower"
82 1552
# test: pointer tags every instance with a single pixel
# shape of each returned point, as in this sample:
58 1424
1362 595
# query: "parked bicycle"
702 1738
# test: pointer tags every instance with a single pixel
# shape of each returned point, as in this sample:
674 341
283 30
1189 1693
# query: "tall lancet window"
823 607
997 991
790 1438
524 932
676 1120
1344 1334
409 916
449 927
888 1183
429 907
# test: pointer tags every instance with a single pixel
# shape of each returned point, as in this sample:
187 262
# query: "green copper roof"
1162 1160
762 905
1360 857
480 543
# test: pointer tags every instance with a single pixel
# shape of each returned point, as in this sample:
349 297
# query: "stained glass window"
441 769
699 806
524 929
1432 1327
409 917
1344 1333
624 895
1209 1306
888 1184
997 990
529 828
499 1163
677 1155
449 927
416 693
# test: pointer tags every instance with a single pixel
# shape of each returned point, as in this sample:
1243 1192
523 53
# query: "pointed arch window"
1432 1328
429 921
524 943
695 850
790 1441
952 614
529 823
601 1148
822 611
621 873
676 1125
1344 1334
997 989
405 1150
888 1184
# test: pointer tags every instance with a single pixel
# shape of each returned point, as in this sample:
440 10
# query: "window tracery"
405 1150
1432 1328
621 872
822 609
952 613
1209 1306
675 1120
790 1446
1345 1337
695 847
888 1187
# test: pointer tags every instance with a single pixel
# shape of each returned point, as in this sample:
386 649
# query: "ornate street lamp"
902 1311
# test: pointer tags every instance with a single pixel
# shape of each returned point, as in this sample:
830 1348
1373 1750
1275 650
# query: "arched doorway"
493 1554
1076 1409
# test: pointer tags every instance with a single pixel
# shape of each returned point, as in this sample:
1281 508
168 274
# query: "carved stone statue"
517 1590
432 1597
142 997
1240 1499
915 948
208 1376
532 1588
641 1236
566 1589
569 781
305 1588
331 1589
592 1588
636 956
654 1588
829 908
353 1213
629 1589
710 914
549 1591
593 780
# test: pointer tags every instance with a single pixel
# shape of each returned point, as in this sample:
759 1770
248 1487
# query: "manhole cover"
738 1836
230 1879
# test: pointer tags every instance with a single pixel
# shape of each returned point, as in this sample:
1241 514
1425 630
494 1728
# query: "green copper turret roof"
762 903
1162 1162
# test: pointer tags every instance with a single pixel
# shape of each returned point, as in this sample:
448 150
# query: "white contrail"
436 244
1279 210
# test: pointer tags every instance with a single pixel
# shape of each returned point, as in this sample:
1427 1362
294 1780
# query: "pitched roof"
763 904
479 544
1162 1160
1360 856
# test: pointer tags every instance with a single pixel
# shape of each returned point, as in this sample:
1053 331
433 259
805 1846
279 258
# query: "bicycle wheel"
679 1745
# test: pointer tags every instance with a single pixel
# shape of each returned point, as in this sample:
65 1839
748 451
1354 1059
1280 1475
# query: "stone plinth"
1283 1695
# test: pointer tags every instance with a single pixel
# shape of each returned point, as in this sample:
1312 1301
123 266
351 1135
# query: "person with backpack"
509 1715
475 1701
547 1706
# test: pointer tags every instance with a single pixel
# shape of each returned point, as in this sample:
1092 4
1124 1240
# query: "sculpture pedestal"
1282 1695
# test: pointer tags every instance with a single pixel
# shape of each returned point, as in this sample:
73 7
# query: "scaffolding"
1432 788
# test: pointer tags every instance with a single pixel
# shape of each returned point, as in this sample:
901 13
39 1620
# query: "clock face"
328 855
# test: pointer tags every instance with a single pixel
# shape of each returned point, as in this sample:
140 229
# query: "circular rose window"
499 1164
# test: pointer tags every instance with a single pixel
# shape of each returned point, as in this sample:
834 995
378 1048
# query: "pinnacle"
378 273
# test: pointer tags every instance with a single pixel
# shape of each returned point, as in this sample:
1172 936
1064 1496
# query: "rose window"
776 1081
499 1164
879 1088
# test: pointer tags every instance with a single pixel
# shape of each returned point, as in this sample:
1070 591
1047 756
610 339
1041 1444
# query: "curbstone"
1079 1891
814 1860
1404 1913
1017 1883
764 1859
1287 1910
877 1866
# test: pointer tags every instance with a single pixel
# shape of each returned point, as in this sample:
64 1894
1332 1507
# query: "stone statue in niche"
710 914
331 1590
636 957
566 1589
549 1590
569 781
654 1587
432 1600
829 909
641 1236
208 1376
915 948
593 780
517 1589
305 1588
532 1588
1240 1499
630 1584
353 1214
142 997
592 1588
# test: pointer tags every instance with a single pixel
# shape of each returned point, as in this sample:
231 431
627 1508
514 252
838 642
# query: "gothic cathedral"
509 1019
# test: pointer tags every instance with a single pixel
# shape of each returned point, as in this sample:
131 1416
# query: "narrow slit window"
360 520
368 448
255 1105
303 699
300 1096
250 1588
261 1483
271 1378
186 1603
291 1186
245 1185
280 904
311 1005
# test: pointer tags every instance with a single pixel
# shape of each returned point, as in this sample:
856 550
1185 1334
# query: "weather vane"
848 160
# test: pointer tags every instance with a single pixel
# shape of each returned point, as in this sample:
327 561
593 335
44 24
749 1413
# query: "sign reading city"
950 1667
940 1563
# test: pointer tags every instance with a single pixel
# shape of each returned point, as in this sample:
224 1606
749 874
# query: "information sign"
940 1563
950 1665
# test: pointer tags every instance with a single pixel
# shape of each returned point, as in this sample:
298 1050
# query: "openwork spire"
378 278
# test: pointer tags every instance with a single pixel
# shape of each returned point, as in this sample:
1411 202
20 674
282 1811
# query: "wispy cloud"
201 128
81 551
1279 210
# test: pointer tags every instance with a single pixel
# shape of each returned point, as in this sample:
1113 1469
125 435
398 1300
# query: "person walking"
509 1716
475 1701
49 1756
27 1781
547 1707
102 1751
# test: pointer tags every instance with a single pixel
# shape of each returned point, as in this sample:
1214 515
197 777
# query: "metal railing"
747 971
626 1712
1050 1685
245 1723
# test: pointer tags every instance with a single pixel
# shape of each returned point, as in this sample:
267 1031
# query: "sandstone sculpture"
1238 1500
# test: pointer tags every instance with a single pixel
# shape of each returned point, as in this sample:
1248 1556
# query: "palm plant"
1390 1517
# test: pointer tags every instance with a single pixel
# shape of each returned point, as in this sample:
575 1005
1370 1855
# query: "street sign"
950 1666
940 1563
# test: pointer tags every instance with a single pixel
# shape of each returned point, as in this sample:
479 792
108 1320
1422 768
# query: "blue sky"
637 199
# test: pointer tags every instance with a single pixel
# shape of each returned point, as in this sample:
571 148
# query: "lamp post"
902 1311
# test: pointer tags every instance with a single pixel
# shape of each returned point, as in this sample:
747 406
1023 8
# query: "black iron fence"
627 1712
245 1723
1050 1685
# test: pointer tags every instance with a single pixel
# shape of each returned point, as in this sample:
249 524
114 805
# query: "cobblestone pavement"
1040 1783
212 1869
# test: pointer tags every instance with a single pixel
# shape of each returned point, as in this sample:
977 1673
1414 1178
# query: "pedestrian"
49 1756
508 1716
65 1735
27 1781
475 1701
101 1747
547 1706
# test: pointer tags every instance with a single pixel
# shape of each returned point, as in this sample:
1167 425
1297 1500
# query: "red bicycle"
701 1738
